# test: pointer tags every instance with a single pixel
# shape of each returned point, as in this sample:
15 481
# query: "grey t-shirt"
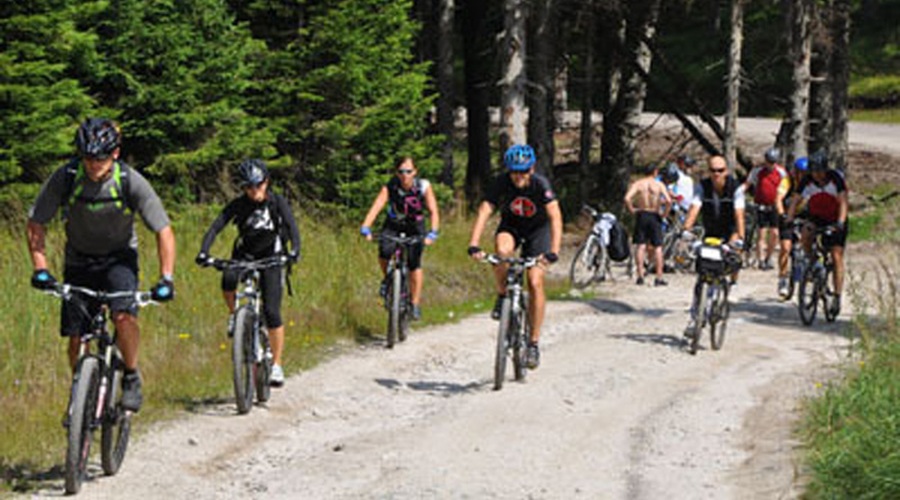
97 221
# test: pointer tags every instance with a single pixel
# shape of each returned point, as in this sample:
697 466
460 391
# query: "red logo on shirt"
522 207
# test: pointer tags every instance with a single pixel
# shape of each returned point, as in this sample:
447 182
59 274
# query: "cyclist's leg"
122 276
504 246
271 285
72 321
656 241
416 275
785 233
229 285
835 243
536 243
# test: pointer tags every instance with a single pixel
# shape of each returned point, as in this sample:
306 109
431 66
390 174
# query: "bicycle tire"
263 371
521 333
406 310
502 345
583 269
720 310
394 308
694 344
807 296
241 360
116 427
81 414
829 297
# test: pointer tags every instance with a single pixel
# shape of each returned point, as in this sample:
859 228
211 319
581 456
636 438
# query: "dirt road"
617 410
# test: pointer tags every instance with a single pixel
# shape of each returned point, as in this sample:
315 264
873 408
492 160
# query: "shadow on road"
436 387
665 339
771 312
22 479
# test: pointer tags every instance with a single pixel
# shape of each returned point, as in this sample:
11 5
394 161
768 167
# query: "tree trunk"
477 80
445 100
800 48
587 106
512 82
620 124
820 95
540 93
840 69
733 90
560 94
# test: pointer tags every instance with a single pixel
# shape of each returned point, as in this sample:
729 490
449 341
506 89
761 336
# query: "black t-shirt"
259 226
521 208
406 208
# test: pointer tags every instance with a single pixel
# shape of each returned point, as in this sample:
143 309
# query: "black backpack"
121 173
618 248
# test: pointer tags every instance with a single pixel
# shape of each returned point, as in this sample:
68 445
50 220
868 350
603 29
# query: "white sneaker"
276 379
783 288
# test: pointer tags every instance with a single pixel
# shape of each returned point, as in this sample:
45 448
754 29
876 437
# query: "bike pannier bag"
618 248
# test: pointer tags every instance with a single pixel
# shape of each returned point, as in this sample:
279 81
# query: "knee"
272 316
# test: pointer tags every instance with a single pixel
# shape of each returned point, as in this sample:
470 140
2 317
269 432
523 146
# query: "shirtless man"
648 200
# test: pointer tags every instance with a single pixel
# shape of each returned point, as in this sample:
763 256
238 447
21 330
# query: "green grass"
184 354
852 431
884 115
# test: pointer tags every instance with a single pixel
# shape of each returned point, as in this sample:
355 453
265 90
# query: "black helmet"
252 172
818 161
97 138
669 173
687 159
773 155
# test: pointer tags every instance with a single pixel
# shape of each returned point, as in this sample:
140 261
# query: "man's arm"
36 244
165 247
629 195
484 212
691 218
379 203
431 203
556 225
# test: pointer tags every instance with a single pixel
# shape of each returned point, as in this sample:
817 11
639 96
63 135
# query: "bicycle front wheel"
808 296
85 387
506 320
584 266
701 319
242 359
520 334
719 310
829 298
394 295
406 309
116 422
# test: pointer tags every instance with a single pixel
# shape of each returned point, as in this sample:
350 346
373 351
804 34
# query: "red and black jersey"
822 200
521 208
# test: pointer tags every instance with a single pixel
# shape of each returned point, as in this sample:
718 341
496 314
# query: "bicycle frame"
514 317
710 302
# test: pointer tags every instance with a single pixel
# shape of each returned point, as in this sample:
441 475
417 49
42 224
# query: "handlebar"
250 265
526 263
594 213
401 239
66 291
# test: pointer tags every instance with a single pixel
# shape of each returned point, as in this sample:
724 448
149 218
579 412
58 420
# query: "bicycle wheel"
116 426
81 415
263 368
394 295
405 309
700 321
520 334
242 360
584 266
506 320
829 298
808 296
719 309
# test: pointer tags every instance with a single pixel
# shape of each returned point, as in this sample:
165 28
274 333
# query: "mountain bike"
515 327
677 253
591 262
251 354
817 282
95 399
397 296
715 263
797 260
751 233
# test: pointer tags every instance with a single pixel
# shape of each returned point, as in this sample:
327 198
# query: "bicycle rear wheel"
81 415
808 296
263 369
829 298
242 359
394 296
406 309
584 266
116 427
719 311
506 321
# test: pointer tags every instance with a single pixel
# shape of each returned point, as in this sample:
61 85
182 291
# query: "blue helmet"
801 164
519 158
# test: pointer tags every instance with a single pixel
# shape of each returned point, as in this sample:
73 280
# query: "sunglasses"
718 170
404 171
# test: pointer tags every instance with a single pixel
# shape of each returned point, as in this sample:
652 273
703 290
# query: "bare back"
646 195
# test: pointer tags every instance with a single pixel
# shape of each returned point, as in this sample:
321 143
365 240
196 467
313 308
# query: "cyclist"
99 196
407 197
529 216
764 182
719 199
265 224
680 185
824 192
786 193
653 204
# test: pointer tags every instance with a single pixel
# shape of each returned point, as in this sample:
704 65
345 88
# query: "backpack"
74 173
618 248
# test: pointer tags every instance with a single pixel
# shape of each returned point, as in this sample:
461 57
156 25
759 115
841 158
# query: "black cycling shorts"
271 287
835 238
766 216
648 228
387 247
116 272
534 241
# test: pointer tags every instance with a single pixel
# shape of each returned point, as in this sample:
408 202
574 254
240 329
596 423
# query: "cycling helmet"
818 161
519 158
97 138
669 174
687 160
801 164
773 155
252 173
